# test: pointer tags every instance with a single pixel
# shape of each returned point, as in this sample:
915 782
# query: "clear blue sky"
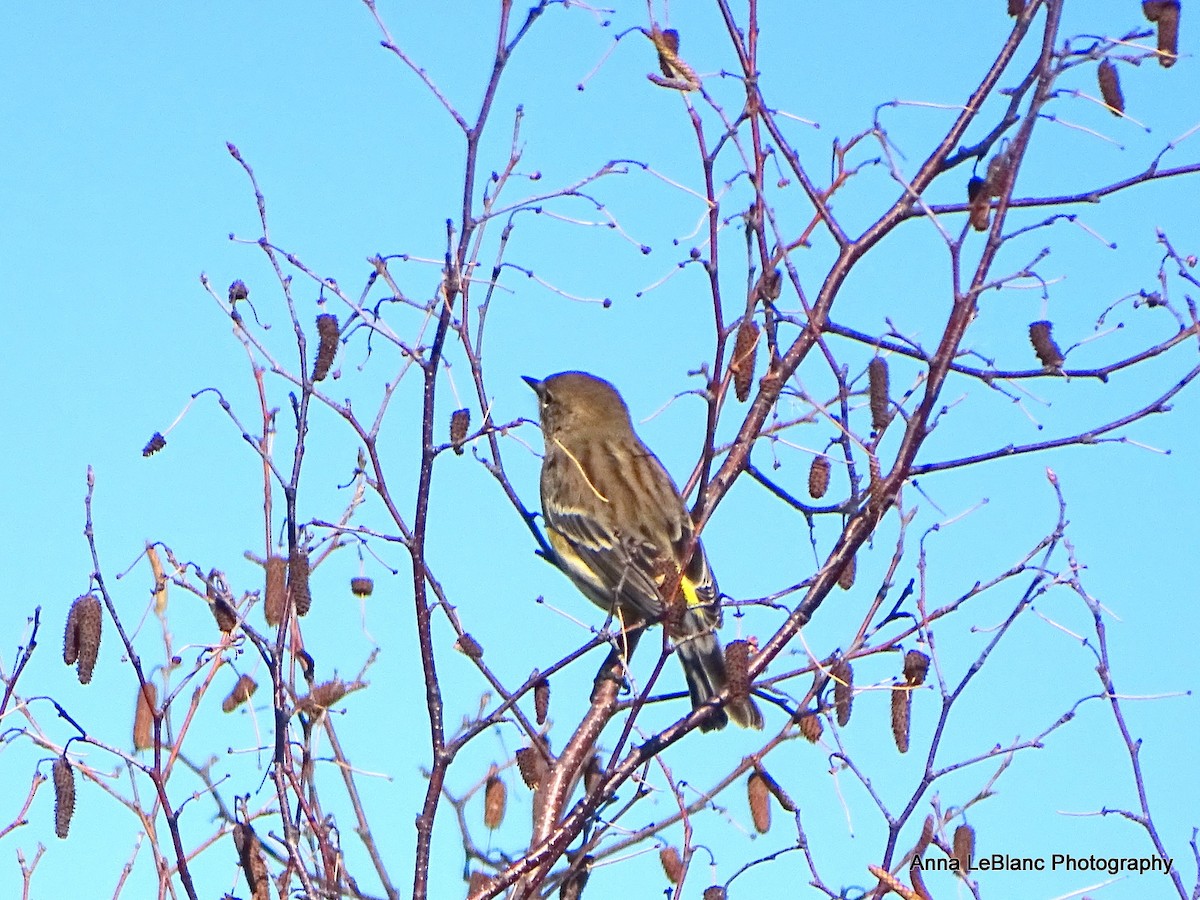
117 193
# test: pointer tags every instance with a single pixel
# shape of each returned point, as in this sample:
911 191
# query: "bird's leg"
618 657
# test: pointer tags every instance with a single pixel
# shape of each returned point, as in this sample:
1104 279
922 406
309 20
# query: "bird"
620 531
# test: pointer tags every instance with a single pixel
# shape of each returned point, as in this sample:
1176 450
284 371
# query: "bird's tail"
704 668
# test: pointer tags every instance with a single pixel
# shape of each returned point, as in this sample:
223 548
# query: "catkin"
964 848
877 381
64 795
760 802
1044 346
541 700
532 766
1016 7
716 892
478 883
979 200
242 691
843 689
328 693
362 586
460 423
672 864
737 661
81 639
468 646
744 355
1165 13
846 578
901 711
810 727
916 665
143 717
818 477
495 800
275 600
1110 87
156 443
297 581
327 332
218 602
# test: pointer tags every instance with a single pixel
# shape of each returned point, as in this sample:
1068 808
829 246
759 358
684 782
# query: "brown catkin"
143 716
877 381
238 291
1016 7
478 883
327 333
843 689
818 477
275 599
716 892
460 423
810 727
999 174
328 693
1166 14
901 710
672 864
759 798
926 837
64 795
980 202
1043 345
541 700
81 639
242 691
218 602
737 661
742 362
846 579
916 665
468 646
532 766
1110 87
495 800
964 848
297 581
156 443
254 864
362 586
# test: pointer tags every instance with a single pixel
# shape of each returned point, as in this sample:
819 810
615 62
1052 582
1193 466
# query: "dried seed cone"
877 381
672 864
495 799
532 766
325 695
541 700
143 716
742 363
362 586
980 201
478 883
737 661
759 798
460 423
468 646
1110 87
843 690
275 595
327 332
64 795
1043 345
926 837
964 847
81 639
254 864
916 666
818 477
1016 7
901 709
238 291
716 892
999 173
846 579
297 581
242 691
156 443
811 727
222 609
1166 14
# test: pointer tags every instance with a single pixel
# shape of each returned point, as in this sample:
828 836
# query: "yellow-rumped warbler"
622 534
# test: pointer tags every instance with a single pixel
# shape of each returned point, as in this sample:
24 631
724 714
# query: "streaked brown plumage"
622 534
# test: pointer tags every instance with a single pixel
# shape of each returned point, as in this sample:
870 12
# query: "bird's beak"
538 386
